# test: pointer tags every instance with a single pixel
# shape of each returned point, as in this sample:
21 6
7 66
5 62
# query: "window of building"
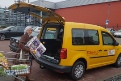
78 37
107 39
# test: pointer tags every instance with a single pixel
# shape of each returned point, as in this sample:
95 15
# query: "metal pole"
0 19
41 16
9 18
5 16
16 18
108 14
14 1
25 19
20 19
108 11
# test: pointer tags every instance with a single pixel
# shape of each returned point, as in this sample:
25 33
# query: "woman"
24 39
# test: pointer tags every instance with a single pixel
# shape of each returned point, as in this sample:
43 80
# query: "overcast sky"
7 3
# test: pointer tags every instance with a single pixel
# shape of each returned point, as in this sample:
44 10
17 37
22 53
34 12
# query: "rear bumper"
13 48
53 66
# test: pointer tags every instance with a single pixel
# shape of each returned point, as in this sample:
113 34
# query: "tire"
2 37
118 61
77 71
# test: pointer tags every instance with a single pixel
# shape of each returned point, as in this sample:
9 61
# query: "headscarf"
26 29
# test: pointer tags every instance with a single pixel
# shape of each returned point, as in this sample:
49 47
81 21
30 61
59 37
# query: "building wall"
9 18
94 14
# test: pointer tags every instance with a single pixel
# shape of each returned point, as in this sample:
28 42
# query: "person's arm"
23 47
22 43
30 37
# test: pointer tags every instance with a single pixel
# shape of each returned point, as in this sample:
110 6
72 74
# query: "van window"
107 39
49 35
92 37
52 31
77 37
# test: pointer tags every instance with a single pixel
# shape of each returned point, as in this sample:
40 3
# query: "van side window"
92 37
77 37
107 39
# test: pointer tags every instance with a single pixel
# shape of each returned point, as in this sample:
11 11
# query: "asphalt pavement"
97 74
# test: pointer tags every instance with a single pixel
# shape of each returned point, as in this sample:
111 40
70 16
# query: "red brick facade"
94 14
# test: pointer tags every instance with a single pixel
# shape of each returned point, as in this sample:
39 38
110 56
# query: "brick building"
88 11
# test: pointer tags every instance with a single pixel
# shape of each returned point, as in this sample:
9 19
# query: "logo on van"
92 52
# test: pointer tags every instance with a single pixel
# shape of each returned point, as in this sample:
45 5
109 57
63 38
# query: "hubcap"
79 71
2 37
119 61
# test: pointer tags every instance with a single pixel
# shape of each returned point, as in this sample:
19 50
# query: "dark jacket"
24 39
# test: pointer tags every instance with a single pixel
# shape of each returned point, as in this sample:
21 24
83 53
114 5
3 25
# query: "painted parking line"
2 51
10 52
6 52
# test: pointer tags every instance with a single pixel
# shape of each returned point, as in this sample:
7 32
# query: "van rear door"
34 10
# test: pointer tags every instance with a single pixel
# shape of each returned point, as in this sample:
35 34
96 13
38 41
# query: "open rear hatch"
52 31
34 10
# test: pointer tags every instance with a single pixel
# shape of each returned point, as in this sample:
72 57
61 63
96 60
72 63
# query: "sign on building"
28 18
107 22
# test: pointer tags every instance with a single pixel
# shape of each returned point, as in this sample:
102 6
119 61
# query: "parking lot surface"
98 74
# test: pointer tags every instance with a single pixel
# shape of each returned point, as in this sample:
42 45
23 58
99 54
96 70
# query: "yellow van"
74 47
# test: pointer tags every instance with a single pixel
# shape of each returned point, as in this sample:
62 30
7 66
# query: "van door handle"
100 50
105 50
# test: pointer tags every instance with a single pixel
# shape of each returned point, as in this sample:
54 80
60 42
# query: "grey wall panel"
35 2
68 3
44 4
72 3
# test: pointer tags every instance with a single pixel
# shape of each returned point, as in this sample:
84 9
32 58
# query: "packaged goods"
2 72
19 67
3 61
1 55
37 46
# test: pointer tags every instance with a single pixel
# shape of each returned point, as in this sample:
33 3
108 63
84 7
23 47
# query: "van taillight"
63 53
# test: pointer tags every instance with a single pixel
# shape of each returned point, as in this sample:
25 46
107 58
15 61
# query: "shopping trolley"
17 68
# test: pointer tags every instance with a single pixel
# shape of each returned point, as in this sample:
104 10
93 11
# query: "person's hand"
31 51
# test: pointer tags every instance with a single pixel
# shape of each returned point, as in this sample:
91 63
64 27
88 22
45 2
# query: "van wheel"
77 71
118 61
